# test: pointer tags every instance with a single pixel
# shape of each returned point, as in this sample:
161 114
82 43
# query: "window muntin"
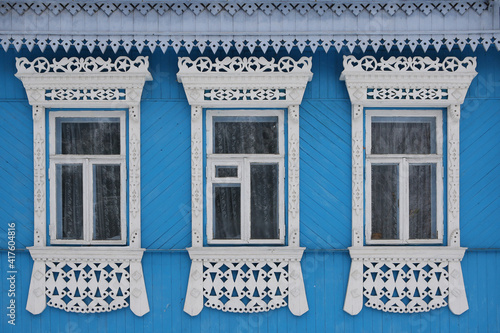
88 166
245 177
404 179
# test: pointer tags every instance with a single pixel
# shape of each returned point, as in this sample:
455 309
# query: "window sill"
407 253
246 253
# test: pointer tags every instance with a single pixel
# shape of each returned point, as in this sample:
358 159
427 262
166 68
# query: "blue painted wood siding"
325 210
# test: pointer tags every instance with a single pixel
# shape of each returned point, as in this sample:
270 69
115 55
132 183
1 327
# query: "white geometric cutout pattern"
405 286
406 94
85 94
245 94
87 286
245 286
341 42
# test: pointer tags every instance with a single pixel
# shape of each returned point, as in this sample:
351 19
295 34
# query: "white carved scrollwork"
249 65
405 286
409 64
245 286
82 65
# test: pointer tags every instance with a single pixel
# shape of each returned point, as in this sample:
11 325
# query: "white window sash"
403 161
87 162
243 161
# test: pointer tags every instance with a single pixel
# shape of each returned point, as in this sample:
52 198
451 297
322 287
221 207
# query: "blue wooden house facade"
322 82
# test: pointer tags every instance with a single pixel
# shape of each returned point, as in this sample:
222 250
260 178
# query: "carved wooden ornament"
407 278
86 279
245 278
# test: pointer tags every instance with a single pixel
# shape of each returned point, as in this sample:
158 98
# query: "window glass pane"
264 201
69 201
385 201
403 135
226 171
422 201
227 211
88 136
245 135
107 217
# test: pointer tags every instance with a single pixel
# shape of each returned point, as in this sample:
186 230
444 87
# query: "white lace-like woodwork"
68 277
346 26
406 279
246 280
245 83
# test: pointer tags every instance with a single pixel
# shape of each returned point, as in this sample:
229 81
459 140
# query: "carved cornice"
88 81
413 81
244 82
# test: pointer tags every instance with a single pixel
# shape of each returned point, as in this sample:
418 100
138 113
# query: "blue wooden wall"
325 209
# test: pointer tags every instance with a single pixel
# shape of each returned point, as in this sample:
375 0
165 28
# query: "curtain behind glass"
227 211
422 191
385 201
246 137
390 137
264 201
70 201
107 210
89 138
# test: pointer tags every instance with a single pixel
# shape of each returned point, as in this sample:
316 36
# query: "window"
87 177
245 176
404 180
397 182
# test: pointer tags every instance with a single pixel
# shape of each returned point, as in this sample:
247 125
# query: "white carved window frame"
244 83
405 160
75 84
243 161
87 189
406 83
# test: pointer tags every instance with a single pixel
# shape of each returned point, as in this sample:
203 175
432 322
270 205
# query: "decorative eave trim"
402 81
310 42
245 82
249 7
